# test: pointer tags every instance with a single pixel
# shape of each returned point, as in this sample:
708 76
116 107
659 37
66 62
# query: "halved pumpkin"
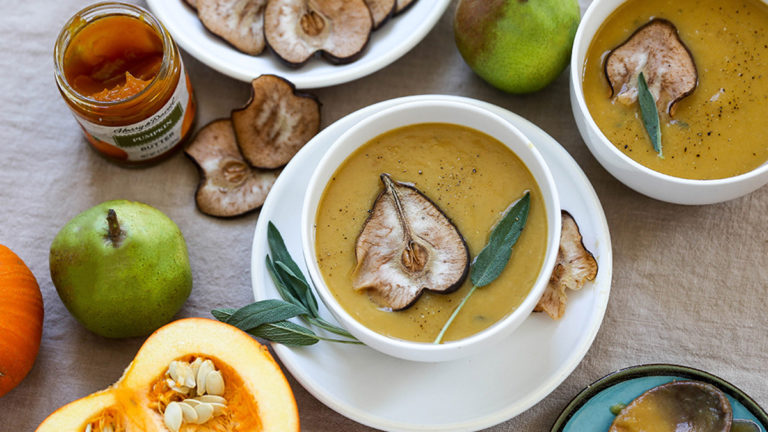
255 396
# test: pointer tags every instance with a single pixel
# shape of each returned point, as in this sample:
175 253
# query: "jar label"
150 137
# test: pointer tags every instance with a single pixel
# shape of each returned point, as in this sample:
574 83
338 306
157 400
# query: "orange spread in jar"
113 58
121 74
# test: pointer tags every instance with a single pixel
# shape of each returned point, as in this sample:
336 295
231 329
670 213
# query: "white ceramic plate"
395 38
469 394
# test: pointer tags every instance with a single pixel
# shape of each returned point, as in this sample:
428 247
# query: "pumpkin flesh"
258 397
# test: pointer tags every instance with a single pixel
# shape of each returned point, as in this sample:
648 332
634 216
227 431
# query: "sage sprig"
268 319
649 113
490 262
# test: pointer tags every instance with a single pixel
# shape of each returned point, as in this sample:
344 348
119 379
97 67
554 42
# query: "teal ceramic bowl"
590 410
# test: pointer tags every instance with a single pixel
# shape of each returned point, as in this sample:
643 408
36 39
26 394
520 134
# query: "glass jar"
121 74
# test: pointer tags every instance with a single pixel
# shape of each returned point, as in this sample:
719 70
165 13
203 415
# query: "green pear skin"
127 285
518 46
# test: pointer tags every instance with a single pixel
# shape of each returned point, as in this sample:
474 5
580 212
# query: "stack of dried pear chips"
297 30
240 158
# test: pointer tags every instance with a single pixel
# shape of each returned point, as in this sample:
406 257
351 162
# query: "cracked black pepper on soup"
720 129
473 178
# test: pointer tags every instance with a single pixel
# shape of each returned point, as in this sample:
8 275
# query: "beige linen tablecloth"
689 283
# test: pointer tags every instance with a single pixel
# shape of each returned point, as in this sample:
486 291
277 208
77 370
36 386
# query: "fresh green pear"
121 268
519 46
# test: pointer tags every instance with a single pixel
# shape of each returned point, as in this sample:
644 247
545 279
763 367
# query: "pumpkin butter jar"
121 74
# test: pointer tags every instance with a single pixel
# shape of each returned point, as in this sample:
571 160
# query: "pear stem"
414 256
115 234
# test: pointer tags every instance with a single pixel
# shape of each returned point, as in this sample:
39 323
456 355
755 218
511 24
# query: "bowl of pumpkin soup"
671 97
397 212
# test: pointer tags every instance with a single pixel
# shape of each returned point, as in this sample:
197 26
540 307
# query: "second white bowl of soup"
713 141
443 163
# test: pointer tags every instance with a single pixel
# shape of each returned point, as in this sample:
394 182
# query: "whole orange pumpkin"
21 320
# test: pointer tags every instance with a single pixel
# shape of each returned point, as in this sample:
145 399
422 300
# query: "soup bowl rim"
637 176
420 112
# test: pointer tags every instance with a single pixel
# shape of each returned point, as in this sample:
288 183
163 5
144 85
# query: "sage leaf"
649 113
325 325
222 314
494 257
299 285
263 312
290 277
268 319
490 262
286 333
280 252
283 289
312 317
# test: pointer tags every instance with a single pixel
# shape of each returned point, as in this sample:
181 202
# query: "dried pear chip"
297 29
655 49
276 122
407 245
228 186
575 266
239 22
381 11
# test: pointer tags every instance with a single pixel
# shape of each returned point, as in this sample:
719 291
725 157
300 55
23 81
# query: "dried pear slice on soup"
575 266
407 245
228 186
276 122
297 29
239 22
656 50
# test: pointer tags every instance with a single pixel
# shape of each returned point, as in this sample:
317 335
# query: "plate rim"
660 370
164 10
548 385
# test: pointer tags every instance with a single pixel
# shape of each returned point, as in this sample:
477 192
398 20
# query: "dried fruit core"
236 172
415 257
312 23
199 393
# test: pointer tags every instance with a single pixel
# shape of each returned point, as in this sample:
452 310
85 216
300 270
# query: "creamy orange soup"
473 178
719 131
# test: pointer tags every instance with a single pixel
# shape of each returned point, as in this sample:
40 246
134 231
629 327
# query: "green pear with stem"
121 268
518 46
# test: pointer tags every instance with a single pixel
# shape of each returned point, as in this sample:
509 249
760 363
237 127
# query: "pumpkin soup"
472 178
717 131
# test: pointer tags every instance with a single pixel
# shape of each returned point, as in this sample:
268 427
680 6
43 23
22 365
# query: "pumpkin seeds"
211 399
198 378
195 365
205 369
218 408
188 413
192 402
214 383
204 413
173 416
